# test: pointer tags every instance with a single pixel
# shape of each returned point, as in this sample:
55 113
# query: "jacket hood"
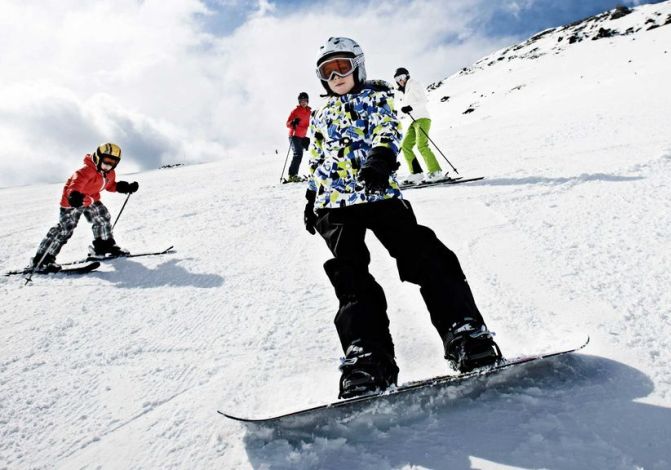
88 161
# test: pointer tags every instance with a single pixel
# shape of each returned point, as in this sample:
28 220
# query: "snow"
568 235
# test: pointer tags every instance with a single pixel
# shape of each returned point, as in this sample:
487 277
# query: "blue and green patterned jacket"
343 131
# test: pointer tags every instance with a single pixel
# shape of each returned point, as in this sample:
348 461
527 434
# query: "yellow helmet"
107 152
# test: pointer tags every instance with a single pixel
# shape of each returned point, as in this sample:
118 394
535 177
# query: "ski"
132 255
344 407
457 180
86 268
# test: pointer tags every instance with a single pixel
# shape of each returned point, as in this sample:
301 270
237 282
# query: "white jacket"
414 96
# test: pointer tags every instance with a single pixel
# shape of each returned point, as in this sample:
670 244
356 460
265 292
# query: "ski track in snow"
567 236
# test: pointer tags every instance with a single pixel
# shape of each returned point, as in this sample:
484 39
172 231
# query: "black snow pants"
420 257
297 145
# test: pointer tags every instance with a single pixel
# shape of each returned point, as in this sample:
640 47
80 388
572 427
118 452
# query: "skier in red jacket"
298 123
81 195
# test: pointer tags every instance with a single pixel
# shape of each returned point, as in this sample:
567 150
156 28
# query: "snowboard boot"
365 372
106 249
48 264
469 345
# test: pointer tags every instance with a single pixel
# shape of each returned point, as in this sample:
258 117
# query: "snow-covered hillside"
568 235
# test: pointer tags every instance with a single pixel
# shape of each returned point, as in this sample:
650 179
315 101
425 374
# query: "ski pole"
122 208
434 144
44 255
287 157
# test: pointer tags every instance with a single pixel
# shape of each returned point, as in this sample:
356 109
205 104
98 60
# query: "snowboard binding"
470 346
365 372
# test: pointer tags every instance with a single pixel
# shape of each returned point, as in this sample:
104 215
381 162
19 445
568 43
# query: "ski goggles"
339 66
109 162
398 78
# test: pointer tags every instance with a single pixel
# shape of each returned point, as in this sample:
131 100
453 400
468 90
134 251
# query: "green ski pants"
418 133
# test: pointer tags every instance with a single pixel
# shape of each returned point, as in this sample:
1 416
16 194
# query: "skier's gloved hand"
406 109
76 199
124 187
374 173
294 122
309 216
306 143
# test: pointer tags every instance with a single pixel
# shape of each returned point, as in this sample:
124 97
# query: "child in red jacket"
298 123
81 195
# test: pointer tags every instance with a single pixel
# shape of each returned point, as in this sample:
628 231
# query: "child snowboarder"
413 100
81 195
352 188
298 122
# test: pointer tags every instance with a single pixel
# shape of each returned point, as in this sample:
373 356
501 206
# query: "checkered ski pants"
58 235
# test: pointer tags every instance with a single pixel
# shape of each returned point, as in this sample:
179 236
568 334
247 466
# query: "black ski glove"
406 109
309 216
294 122
124 187
306 143
374 173
76 199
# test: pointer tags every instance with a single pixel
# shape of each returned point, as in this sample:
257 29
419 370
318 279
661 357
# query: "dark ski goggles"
112 162
339 66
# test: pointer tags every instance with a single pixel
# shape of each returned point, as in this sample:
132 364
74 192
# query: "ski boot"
469 345
365 372
294 179
413 178
48 264
106 249
433 176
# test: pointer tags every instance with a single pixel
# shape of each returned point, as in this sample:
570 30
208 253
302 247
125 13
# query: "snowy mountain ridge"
568 235
621 21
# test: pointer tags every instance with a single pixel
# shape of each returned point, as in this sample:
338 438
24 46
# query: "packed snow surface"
569 235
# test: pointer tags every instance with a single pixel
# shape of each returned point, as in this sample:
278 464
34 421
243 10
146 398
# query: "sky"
189 81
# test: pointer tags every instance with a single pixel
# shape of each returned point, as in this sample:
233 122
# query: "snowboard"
432 386
457 180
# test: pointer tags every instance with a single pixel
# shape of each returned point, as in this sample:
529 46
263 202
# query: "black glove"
306 143
124 187
375 172
76 199
309 216
294 122
406 109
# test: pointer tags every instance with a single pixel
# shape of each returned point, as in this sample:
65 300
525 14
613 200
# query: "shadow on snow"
131 274
583 178
576 411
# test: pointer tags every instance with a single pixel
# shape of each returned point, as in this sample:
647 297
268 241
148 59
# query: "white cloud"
149 76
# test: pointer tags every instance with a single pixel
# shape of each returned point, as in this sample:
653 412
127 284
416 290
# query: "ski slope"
568 235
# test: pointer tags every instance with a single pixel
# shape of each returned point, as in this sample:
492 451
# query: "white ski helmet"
345 47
